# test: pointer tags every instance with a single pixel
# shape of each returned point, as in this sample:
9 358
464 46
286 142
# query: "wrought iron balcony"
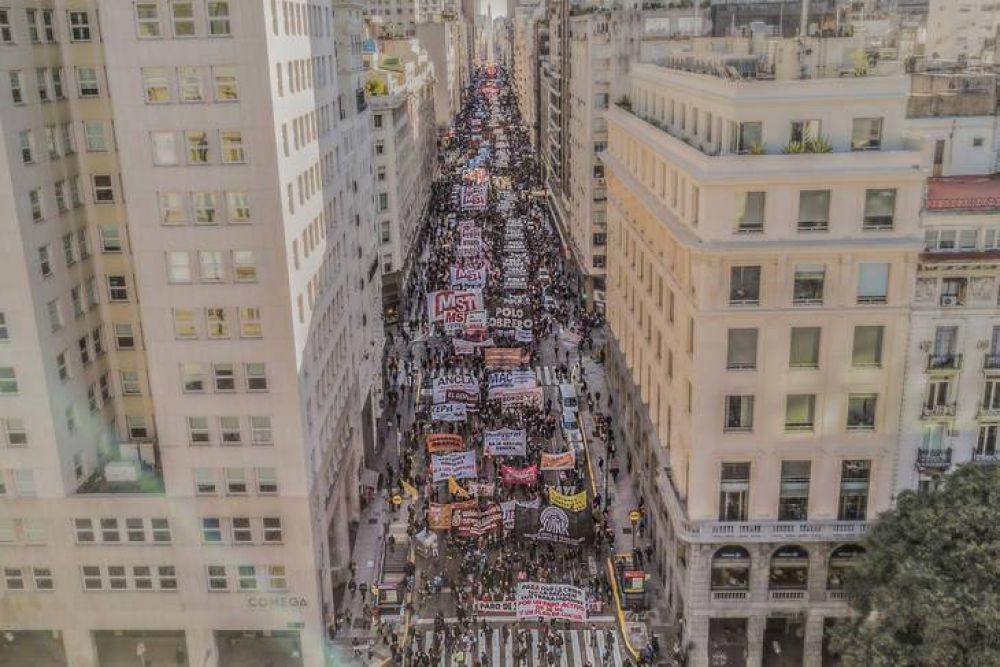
986 458
944 362
934 459
937 411
991 362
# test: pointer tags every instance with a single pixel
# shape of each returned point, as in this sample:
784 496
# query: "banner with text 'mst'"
560 601
451 306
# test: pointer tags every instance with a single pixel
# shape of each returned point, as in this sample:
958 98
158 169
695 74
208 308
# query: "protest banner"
481 489
576 502
453 305
469 248
512 317
474 522
560 461
464 383
440 443
465 346
494 607
460 465
449 412
455 489
439 514
519 476
505 442
520 398
505 357
560 526
554 601
524 335
512 379
475 197
468 277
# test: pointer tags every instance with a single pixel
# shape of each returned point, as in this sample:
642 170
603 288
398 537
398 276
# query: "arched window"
789 568
731 569
842 559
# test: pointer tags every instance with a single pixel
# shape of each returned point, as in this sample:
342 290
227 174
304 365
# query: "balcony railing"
781 530
786 595
937 411
838 596
730 596
944 362
991 362
988 412
986 458
934 458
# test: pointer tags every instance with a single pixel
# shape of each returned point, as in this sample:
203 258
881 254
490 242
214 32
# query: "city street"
501 504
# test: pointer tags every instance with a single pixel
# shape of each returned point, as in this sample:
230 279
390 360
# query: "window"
731 569
136 426
246 577
880 208
267 481
109 530
218 325
804 131
238 206
197 147
42 578
211 530
27 144
260 431
250 324
218 19
377 120
192 378
62 369
103 189
74 185
190 84
45 260
236 481
57 83
167 575
184 323
52 144
6 31
156 84
953 291
855 477
8 380
17 434
866 134
117 288
244 266
198 433
867 349
379 147
205 208
986 444
276 579
204 481
147 18
789 569
94 136
142 577
161 530
211 266
256 376
86 80
182 18
124 336
750 212
958 239
79 27
861 412
807 289
4 332
178 267
55 315
242 534
14 76
92 580
873 282
229 429
226 89
734 492
804 347
272 530
231 142
739 413
744 286
217 580
749 137
13 578
84 529
49 25
814 210
800 412
224 377
35 202
131 386
111 238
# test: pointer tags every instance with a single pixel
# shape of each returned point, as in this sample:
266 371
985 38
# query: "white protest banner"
513 379
453 305
520 398
560 601
515 282
473 277
449 412
460 465
524 336
505 442
509 510
464 384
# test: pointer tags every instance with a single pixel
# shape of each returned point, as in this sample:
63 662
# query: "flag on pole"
455 488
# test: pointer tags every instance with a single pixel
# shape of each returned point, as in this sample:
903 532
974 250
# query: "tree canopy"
927 592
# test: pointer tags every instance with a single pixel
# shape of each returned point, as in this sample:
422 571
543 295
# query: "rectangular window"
880 209
156 84
124 336
256 376
244 266
4 331
104 192
55 315
748 138
197 147
211 530
807 289
267 481
744 286
204 481
135 530
13 578
218 19
986 444
873 282
238 207
184 323
250 323
92 579
192 378
953 291
229 430
191 89
814 210
35 203
178 267
198 433
793 495
84 529
246 577
217 579
62 368
236 481
861 412
45 260
136 426
242 534
800 412
205 208
8 380
855 478
224 377
226 89
111 239
231 142
147 18
27 144
131 385
49 26
866 134
109 530
739 413
94 136
142 577
17 434
182 18
260 431
804 131
57 83
52 143
750 212
804 347
79 27
272 530
217 323
211 266
16 89
86 80
734 492
42 578
867 349
167 577
6 31
276 579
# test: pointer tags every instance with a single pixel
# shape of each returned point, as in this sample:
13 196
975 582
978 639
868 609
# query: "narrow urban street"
502 528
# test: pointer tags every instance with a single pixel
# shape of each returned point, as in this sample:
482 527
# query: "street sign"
397 500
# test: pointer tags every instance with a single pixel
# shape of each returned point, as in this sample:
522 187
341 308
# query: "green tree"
927 592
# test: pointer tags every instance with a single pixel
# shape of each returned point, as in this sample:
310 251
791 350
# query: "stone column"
760 571
696 637
79 647
755 640
813 644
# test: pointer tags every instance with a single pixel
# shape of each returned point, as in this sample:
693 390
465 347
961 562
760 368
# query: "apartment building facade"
193 352
762 246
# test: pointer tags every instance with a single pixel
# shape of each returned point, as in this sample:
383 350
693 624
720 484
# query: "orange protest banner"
444 442
561 461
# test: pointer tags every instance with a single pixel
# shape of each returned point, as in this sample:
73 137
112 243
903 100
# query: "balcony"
986 458
787 595
991 362
730 596
952 300
838 596
129 477
360 101
988 413
944 362
780 530
934 459
937 411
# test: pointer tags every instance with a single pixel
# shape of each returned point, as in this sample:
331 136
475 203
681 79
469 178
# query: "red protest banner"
524 476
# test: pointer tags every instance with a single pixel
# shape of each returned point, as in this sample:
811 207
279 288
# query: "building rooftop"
964 193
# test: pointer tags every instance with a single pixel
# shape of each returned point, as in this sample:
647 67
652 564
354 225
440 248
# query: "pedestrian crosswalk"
547 376
578 648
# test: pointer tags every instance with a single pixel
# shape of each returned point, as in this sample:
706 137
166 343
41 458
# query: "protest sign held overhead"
460 465
505 442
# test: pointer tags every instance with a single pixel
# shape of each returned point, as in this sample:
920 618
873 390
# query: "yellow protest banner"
576 502
455 488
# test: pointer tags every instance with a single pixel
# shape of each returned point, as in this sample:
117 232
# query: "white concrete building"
962 29
762 244
191 327
445 42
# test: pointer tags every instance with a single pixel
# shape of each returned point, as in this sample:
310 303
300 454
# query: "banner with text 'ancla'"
560 601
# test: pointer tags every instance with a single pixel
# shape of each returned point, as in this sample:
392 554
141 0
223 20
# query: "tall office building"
762 248
191 327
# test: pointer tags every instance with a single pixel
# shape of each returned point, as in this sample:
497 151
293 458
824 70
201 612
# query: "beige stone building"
763 231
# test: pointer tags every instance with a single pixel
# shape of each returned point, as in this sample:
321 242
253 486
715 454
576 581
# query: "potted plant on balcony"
757 148
793 147
819 145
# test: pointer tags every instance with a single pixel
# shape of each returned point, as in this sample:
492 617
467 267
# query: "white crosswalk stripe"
546 375
577 650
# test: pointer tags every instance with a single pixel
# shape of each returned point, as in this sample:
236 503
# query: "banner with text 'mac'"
560 601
